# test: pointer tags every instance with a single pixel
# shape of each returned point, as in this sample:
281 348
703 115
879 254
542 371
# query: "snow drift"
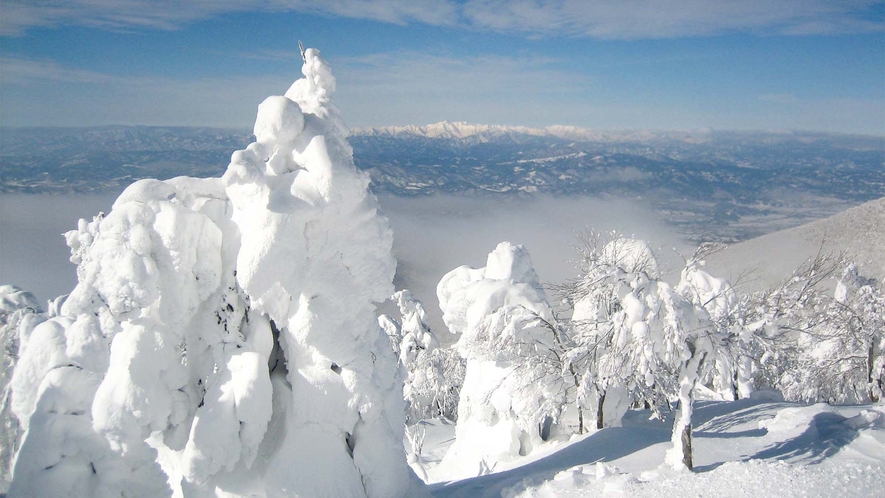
222 337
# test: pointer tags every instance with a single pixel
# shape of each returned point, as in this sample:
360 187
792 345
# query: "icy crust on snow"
496 309
245 357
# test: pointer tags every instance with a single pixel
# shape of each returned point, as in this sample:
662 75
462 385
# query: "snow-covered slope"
767 260
747 448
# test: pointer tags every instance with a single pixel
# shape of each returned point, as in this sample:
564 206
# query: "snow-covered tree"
509 397
862 302
454 368
732 373
222 337
637 339
432 375
19 314
424 382
607 268
825 345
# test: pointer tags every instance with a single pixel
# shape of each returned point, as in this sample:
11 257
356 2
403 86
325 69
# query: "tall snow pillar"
315 254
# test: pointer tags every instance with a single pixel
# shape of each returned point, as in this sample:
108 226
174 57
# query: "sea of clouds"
433 235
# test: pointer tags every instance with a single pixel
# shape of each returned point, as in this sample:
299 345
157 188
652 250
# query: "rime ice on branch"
222 336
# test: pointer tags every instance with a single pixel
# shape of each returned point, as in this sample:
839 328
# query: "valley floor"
748 448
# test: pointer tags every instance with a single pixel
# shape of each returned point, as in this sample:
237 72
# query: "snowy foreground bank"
746 448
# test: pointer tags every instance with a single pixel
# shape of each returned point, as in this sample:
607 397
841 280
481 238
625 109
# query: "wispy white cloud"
271 55
46 93
20 15
382 89
18 71
615 19
397 89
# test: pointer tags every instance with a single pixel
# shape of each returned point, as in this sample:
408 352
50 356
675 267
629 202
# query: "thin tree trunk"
686 447
571 368
681 453
599 411
870 357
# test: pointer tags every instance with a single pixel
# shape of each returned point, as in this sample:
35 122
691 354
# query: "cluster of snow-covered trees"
432 375
623 338
222 339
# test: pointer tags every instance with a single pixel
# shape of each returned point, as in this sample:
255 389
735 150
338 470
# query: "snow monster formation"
499 312
222 337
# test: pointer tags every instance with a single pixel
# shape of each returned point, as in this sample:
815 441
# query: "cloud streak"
19 71
399 88
46 93
606 19
645 19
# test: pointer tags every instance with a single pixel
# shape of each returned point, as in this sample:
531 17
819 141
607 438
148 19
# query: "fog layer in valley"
432 236
33 253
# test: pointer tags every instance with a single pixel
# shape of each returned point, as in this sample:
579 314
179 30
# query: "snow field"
743 448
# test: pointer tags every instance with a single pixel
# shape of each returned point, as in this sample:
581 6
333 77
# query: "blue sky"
653 64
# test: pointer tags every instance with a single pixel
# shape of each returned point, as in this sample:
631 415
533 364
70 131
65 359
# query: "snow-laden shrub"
432 376
425 382
222 338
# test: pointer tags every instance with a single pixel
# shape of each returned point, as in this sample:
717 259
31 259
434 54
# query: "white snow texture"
222 339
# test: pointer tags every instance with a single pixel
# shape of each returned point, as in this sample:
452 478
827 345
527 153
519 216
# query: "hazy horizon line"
353 129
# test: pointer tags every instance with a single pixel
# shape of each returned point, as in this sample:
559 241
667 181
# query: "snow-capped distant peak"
447 129
461 130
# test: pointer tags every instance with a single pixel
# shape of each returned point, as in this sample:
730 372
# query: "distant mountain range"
718 185
461 130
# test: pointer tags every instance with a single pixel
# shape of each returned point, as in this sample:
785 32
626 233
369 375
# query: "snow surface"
765 261
746 448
